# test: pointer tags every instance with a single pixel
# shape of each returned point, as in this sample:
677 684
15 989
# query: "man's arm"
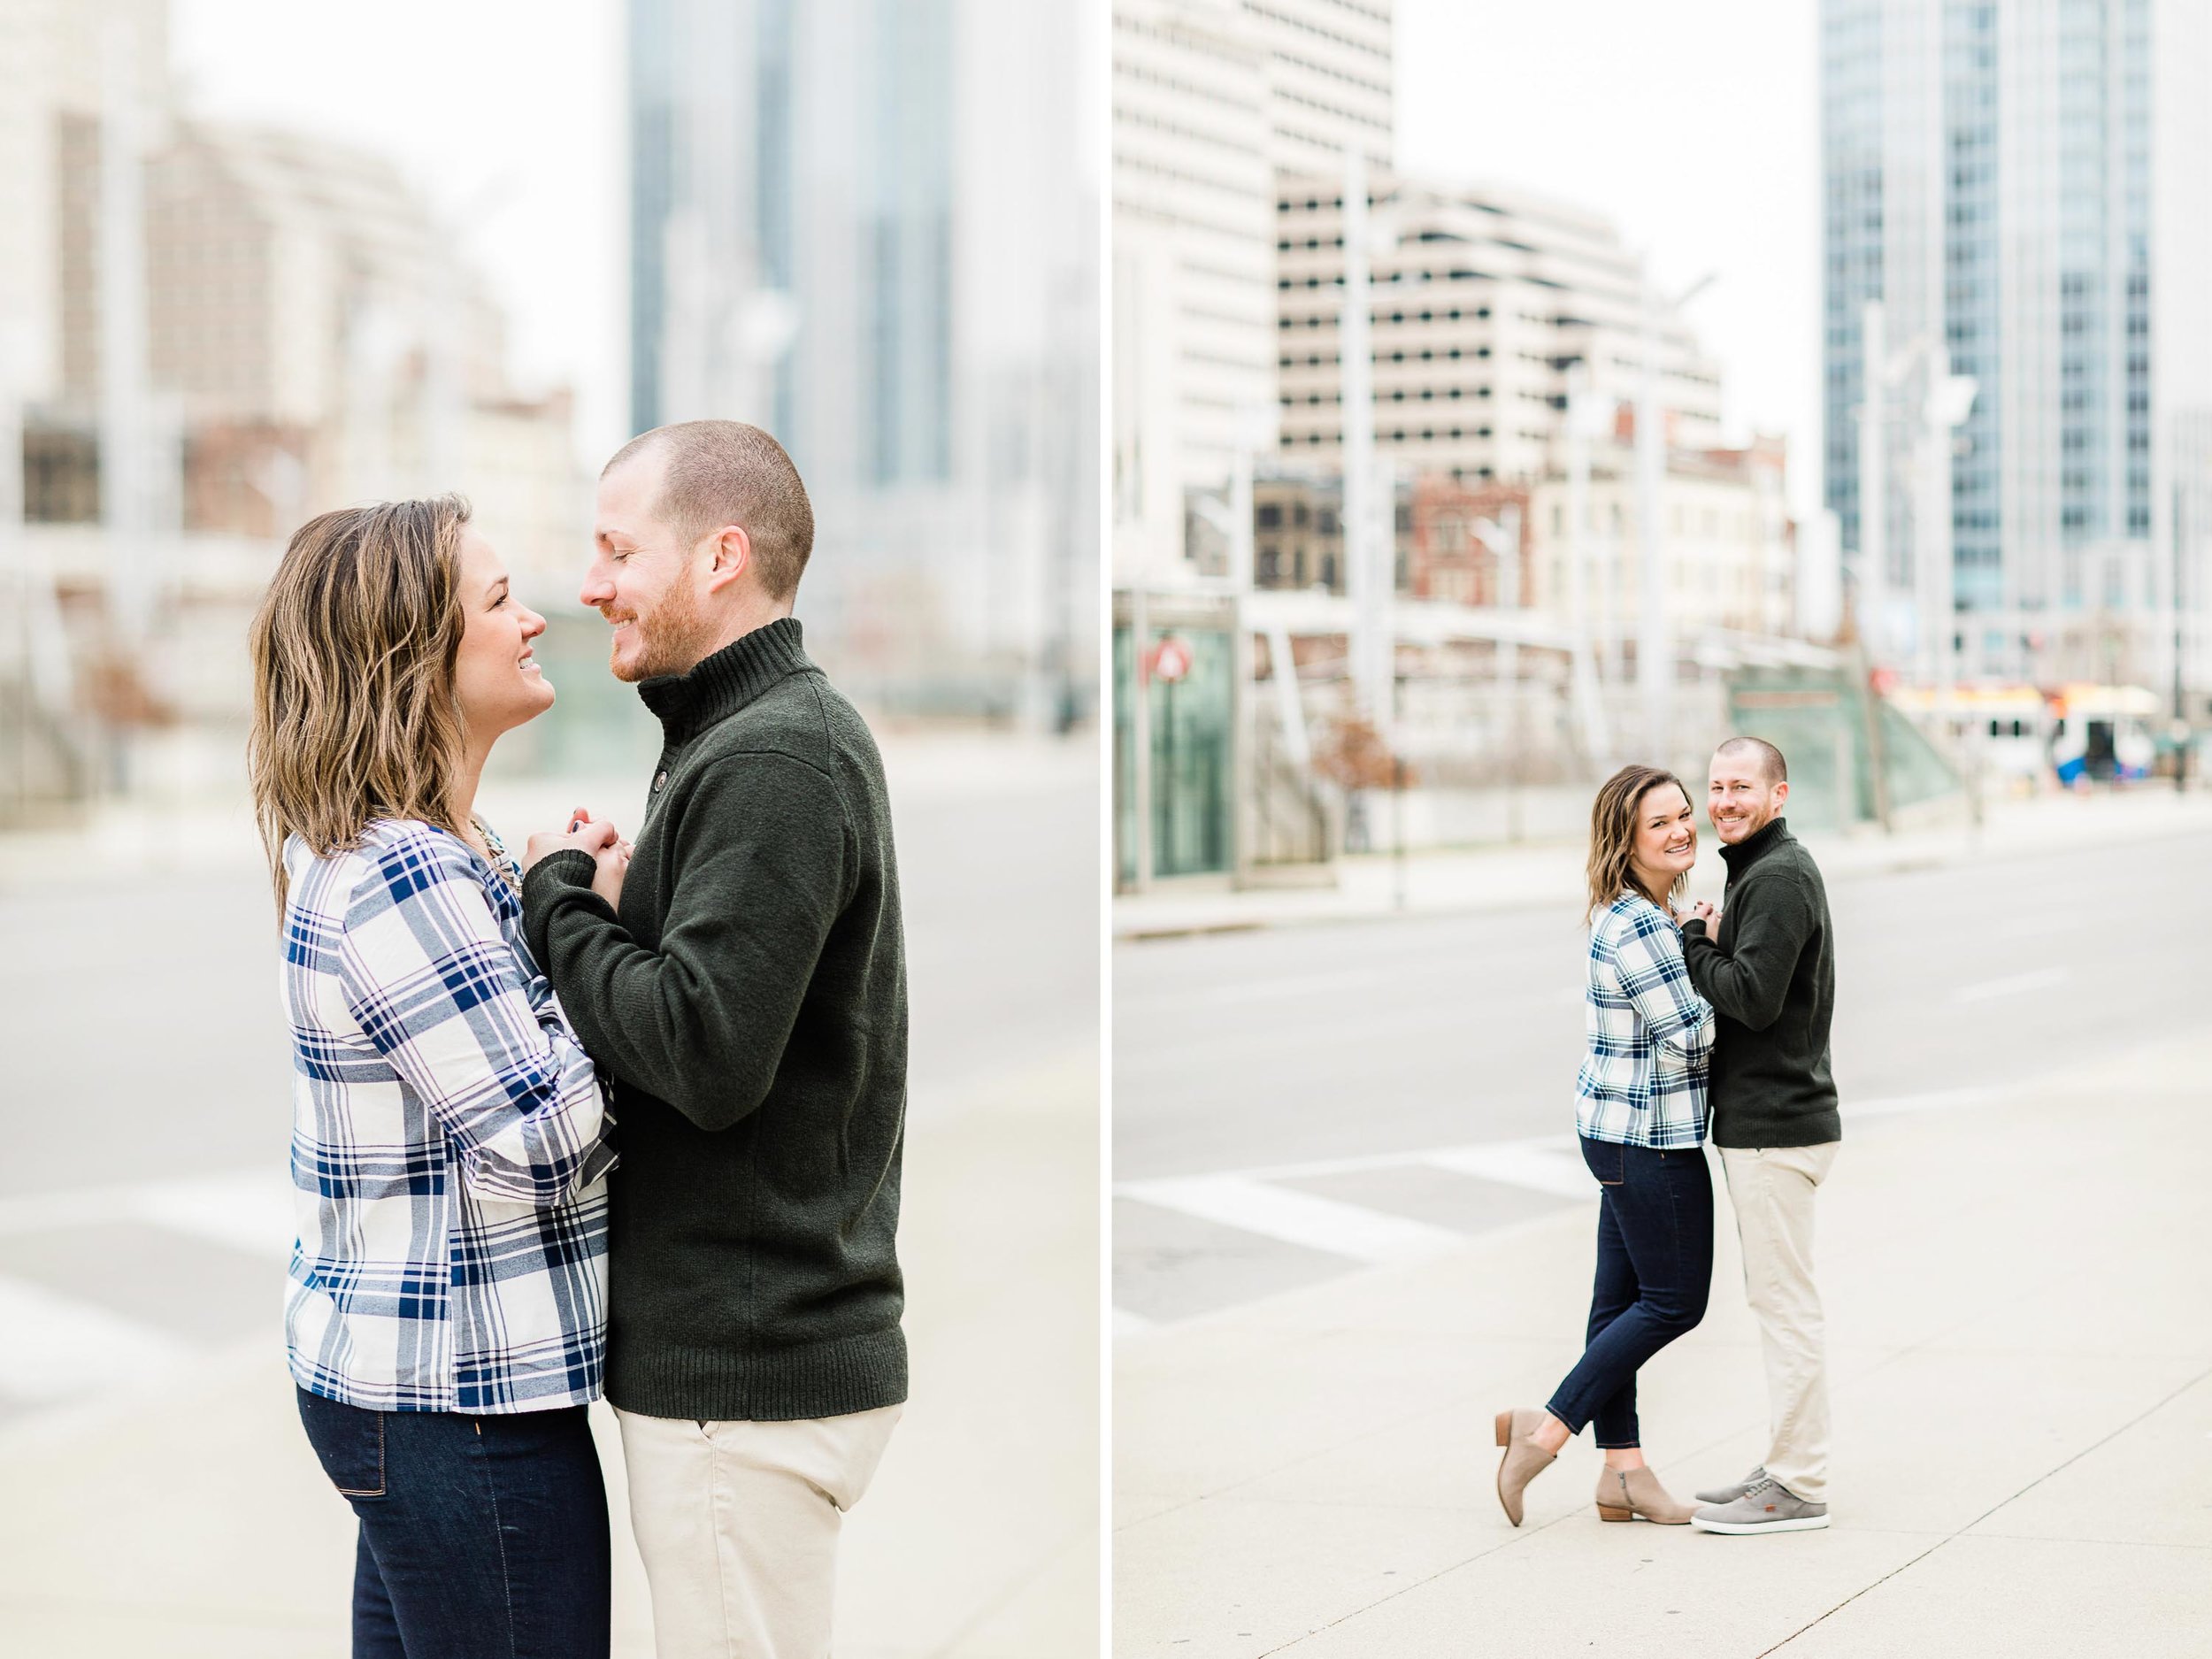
760 873
1769 925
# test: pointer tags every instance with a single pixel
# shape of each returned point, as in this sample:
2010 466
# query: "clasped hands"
609 853
1701 911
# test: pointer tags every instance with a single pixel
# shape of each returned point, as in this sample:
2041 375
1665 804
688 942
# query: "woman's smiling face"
495 678
1666 837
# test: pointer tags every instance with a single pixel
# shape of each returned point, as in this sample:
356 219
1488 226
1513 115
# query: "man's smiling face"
642 578
1740 798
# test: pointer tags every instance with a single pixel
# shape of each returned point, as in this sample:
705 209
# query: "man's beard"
669 636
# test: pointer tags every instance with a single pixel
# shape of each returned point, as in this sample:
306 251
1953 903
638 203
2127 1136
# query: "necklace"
502 862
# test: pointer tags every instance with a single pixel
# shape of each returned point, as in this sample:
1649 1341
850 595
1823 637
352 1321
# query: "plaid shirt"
450 1141
1650 1034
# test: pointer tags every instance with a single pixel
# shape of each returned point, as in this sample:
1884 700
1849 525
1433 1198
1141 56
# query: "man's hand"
1707 913
585 834
614 864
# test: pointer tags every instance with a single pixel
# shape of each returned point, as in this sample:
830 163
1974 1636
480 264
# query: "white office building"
1482 300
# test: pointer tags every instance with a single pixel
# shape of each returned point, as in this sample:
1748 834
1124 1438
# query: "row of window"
1407 435
1426 394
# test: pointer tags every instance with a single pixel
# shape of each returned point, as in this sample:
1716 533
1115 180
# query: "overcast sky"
508 114
1695 128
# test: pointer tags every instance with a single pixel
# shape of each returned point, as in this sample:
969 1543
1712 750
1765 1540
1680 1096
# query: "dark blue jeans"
481 1537
1654 1271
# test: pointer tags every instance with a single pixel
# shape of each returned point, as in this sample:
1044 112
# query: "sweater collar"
1748 852
722 684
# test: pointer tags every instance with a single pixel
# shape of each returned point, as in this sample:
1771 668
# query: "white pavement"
1371 884
159 1498
2017 1293
185 1516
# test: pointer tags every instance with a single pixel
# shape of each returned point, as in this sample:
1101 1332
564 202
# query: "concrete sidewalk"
1369 885
193 1523
2022 1360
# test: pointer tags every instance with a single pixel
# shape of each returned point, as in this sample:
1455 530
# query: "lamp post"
1502 536
1655 636
1586 412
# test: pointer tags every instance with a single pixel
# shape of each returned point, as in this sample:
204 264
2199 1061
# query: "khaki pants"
738 1522
1771 1189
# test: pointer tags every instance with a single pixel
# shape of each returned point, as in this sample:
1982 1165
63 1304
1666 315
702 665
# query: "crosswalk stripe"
58 1348
250 1210
1551 1166
247 1210
1297 1217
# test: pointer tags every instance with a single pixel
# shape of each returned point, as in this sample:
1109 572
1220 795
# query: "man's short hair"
1772 767
724 471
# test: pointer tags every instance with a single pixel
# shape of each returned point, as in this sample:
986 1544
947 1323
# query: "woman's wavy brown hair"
354 713
1613 834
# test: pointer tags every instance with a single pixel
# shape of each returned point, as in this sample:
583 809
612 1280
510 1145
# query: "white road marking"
246 1209
1552 1165
2041 980
1935 1100
1128 1324
60 1348
249 1211
1269 990
1295 1218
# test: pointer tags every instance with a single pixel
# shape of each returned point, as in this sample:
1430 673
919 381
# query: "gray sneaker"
1730 1493
1768 1507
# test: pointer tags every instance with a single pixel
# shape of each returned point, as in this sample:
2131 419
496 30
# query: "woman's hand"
613 861
585 834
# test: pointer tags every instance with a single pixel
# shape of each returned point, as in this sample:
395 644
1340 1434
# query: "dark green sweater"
750 1005
1770 977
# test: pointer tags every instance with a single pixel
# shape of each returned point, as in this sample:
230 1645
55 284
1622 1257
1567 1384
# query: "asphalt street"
1295 1103
144 1217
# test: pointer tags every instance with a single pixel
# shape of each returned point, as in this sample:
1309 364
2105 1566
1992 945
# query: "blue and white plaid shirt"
450 1141
1650 1034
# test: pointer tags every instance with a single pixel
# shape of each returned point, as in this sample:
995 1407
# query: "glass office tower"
2024 189
870 226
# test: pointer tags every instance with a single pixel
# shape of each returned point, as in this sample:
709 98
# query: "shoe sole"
1810 1523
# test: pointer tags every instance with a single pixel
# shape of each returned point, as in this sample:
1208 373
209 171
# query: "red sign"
1171 660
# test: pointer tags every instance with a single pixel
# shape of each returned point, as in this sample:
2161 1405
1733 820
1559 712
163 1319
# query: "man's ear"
1782 793
733 557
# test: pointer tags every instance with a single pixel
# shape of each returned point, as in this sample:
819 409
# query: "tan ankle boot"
1625 1493
1523 1458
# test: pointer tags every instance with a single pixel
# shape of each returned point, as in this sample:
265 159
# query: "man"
746 995
1766 962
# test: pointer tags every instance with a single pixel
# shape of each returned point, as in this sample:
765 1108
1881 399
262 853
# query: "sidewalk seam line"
2151 1410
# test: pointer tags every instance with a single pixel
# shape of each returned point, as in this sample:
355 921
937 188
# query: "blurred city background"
1433 500
265 260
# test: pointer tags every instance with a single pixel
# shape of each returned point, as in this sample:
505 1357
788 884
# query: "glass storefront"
1191 716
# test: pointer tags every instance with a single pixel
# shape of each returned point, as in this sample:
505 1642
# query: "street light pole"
1362 565
1583 408
1873 598
1654 634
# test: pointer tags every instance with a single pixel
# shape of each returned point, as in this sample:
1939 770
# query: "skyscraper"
2026 191
865 226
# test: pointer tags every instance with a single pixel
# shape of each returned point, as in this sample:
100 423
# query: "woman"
447 1313
1641 1119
